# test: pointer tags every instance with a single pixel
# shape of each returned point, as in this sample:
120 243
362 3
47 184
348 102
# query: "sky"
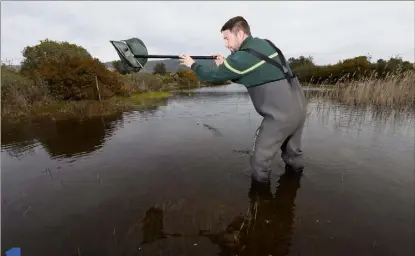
328 31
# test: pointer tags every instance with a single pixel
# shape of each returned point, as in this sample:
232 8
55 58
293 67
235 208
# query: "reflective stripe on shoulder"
248 69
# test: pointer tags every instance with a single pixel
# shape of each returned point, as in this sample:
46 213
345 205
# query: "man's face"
232 41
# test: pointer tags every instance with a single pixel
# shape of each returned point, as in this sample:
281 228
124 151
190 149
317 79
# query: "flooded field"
170 181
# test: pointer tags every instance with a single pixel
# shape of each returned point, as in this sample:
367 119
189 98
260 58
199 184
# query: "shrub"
160 68
142 82
121 67
74 78
69 71
18 93
35 56
169 78
187 77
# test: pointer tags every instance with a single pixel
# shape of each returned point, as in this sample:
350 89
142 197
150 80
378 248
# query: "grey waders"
283 106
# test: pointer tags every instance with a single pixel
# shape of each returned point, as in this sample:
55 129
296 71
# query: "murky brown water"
170 182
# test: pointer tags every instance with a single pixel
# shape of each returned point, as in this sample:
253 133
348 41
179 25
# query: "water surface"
170 181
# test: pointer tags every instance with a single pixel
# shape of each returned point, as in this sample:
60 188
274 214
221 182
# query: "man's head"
234 32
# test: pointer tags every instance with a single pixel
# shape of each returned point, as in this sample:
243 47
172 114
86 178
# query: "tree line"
356 68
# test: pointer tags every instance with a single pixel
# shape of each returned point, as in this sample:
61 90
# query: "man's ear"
240 34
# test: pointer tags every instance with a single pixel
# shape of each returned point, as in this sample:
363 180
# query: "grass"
139 99
58 110
395 91
318 85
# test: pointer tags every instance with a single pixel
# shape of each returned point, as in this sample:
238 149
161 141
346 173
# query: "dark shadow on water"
64 138
266 228
67 138
214 130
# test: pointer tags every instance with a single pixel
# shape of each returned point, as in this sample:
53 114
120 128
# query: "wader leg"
292 153
269 138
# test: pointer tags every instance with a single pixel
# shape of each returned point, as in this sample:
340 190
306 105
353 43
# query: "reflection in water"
359 113
152 226
66 138
266 229
60 139
69 138
373 120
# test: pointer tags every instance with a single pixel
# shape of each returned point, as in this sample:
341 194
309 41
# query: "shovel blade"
126 49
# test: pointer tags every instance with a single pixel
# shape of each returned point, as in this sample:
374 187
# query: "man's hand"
219 58
186 60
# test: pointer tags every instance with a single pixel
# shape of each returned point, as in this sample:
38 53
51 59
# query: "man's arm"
223 72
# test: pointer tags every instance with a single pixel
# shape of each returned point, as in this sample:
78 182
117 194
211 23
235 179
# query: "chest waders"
282 105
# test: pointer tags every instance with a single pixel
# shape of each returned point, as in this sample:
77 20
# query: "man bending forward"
275 92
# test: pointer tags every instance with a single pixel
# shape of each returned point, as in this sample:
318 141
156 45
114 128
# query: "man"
275 92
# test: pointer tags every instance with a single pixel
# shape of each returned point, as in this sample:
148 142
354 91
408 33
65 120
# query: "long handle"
173 57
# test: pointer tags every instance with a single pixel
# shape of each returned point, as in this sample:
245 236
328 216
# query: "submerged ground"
170 181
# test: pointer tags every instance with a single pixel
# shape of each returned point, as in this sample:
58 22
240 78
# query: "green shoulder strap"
286 71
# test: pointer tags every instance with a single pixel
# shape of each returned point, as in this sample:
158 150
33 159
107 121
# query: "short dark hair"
235 24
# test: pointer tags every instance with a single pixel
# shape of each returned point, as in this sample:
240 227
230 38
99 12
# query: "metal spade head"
127 49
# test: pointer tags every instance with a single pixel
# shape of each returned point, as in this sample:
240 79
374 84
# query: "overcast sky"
329 31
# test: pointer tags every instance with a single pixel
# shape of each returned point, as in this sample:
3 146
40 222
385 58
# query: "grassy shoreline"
59 110
25 98
22 100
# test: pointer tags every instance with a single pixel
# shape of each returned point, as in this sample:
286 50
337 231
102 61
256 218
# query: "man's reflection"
266 229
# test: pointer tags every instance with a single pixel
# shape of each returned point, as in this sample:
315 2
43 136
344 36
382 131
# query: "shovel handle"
173 57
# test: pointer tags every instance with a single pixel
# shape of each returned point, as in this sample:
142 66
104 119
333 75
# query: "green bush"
35 56
142 82
121 67
187 79
160 68
69 71
71 78
18 93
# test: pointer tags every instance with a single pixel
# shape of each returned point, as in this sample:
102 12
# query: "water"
170 181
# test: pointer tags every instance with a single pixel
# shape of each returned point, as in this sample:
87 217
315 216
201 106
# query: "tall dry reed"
394 91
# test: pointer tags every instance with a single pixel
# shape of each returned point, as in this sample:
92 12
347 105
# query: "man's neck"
246 38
